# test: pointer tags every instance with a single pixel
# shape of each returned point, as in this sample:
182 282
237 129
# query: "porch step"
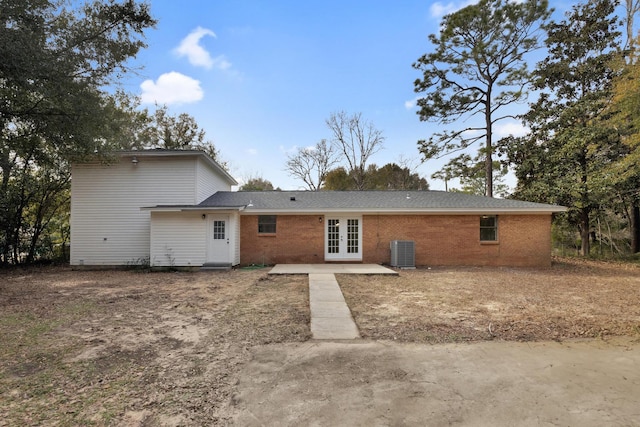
216 266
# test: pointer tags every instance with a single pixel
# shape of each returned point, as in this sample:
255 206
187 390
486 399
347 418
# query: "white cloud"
171 88
439 9
287 151
511 128
252 151
196 54
410 104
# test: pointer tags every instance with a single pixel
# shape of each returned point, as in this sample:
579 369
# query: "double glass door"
343 238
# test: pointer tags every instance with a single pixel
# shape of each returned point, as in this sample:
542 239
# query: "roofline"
414 211
158 152
191 208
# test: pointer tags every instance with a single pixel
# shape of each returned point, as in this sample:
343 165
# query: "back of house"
169 208
108 224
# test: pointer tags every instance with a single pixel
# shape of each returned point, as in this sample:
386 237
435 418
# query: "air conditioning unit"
403 254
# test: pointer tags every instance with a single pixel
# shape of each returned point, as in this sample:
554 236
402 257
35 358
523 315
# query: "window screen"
488 228
266 224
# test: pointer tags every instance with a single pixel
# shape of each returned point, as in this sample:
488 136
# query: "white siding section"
178 239
107 225
208 181
235 227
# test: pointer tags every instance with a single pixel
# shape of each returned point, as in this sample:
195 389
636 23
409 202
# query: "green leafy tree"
625 94
338 179
389 177
257 184
139 128
478 68
57 61
394 177
564 158
625 172
471 174
177 132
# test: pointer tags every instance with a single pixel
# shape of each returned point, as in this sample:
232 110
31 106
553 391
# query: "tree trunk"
489 171
585 226
489 147
635 227
585 235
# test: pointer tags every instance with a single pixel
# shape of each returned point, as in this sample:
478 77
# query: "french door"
343 239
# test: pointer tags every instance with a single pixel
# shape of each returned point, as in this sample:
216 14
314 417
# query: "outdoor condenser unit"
403 254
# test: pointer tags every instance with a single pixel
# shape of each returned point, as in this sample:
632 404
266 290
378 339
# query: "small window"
266 224
488 228
218 230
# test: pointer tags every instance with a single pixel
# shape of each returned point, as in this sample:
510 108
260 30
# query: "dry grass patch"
572 299
116 347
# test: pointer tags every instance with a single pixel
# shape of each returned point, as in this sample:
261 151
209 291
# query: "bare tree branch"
312 164
357 140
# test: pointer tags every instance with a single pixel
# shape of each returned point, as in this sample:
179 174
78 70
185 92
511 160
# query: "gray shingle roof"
368 201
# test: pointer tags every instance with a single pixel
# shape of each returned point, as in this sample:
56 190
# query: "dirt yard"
573 299
127 348
144 349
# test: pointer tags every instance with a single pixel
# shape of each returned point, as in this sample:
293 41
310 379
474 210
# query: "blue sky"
261 77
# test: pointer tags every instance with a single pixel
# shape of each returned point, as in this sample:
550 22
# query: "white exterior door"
219 234
343 239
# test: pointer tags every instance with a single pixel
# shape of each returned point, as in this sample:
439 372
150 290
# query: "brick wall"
299 239
523 240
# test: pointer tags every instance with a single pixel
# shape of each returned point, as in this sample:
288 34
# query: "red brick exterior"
523 240
299 239
455 239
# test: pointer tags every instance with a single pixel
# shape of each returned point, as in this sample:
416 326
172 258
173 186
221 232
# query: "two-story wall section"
108 226
209 180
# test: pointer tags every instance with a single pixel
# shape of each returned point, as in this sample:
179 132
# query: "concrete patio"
331 269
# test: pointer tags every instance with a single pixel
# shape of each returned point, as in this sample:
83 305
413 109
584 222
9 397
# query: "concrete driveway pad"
363 383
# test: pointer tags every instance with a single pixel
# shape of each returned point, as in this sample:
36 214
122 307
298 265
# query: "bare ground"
572 299
131 348
124 348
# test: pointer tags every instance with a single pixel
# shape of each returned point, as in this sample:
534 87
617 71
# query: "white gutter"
414 211
191 208
372 211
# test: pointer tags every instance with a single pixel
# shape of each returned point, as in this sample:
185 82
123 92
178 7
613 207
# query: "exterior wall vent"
403 254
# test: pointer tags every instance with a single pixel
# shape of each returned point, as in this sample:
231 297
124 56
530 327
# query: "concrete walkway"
330 316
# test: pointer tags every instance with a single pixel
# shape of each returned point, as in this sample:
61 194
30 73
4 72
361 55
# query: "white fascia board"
429 211
191 208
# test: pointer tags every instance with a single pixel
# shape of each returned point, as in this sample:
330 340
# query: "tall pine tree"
478 68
